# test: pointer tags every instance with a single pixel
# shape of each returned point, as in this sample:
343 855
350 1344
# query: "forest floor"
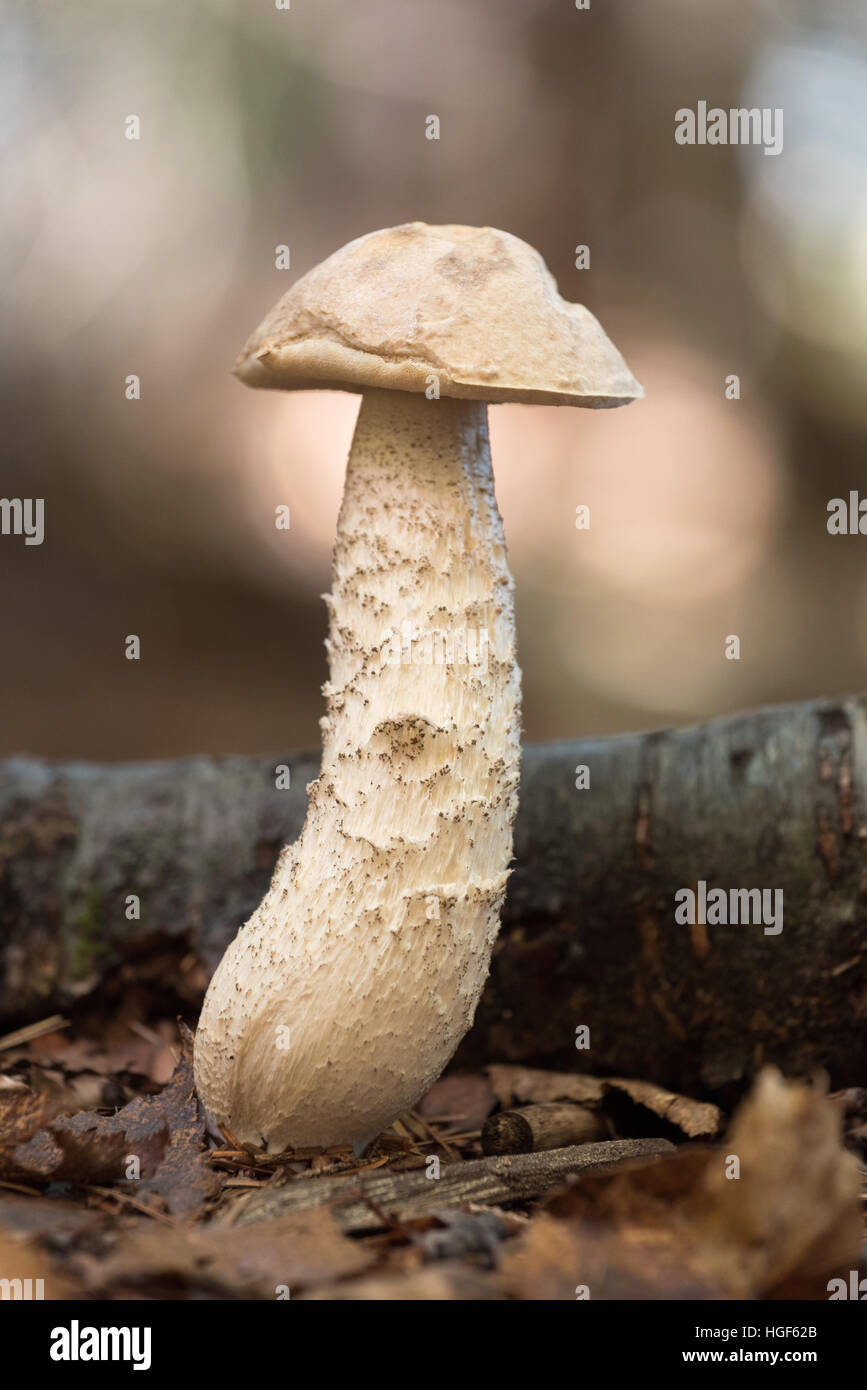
504 1183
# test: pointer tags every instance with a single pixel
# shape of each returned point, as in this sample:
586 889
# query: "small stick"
435 1137
124 1197
532 1128
34 1030
402 1197
20 1187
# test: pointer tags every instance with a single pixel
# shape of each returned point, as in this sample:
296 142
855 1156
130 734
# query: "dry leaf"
525 1085
685 1227
795 1208
290 1252
568 1260
436 1284
522 1085
464 1100
23 1112
164 1133
22 1259
697 1119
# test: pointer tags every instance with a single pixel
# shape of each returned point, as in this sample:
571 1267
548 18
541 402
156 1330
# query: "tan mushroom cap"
476 307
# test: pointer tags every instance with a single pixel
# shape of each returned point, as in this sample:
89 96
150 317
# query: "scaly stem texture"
349 989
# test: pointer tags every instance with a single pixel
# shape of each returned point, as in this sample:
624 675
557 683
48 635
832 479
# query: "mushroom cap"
476 307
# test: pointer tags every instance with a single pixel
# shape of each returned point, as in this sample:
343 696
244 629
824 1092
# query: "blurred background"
305 127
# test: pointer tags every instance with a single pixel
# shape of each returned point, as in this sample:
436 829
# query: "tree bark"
769 800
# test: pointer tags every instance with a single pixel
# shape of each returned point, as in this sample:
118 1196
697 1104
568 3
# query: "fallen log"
773 800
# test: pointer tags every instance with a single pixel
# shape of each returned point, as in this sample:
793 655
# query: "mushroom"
346 993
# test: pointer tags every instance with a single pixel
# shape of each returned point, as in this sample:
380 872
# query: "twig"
133 1202
19 1187
34 1030
404 1197
435 1136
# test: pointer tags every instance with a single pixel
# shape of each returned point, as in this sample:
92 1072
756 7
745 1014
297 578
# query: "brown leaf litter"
777 1204
221 1223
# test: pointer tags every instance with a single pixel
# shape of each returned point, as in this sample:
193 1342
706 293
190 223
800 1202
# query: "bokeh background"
306 127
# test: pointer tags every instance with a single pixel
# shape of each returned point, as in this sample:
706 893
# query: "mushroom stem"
349 989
